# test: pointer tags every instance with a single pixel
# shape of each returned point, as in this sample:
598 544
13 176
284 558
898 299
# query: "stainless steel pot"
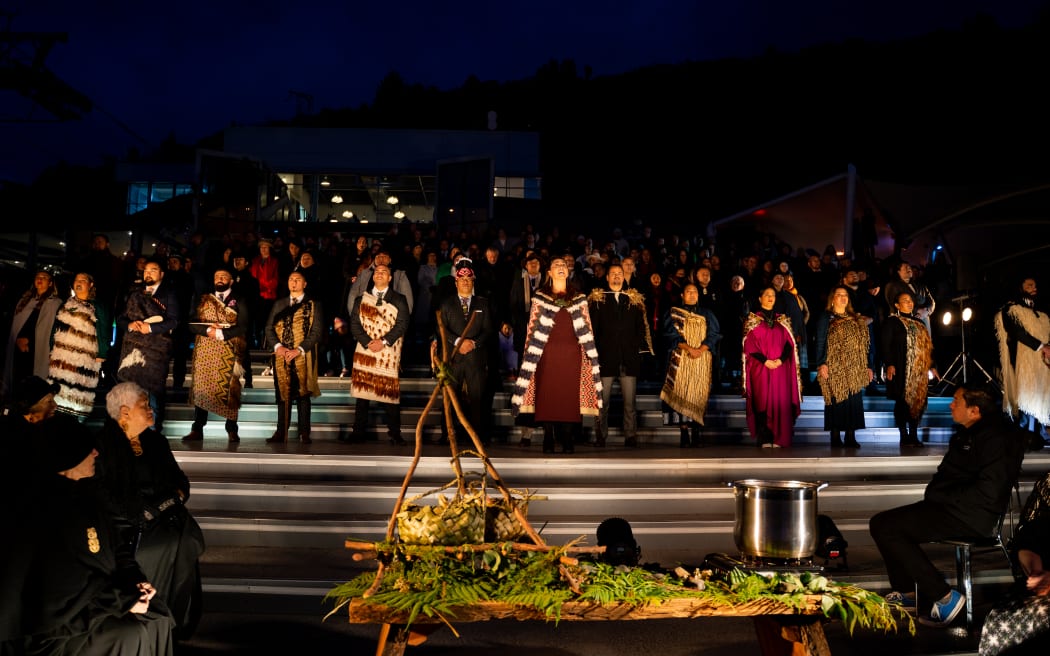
776 519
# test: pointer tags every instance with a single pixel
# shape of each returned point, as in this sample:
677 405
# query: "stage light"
948 318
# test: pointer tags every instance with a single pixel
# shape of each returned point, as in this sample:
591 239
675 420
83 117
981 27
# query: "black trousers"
200 418
899 534
284 406
393 417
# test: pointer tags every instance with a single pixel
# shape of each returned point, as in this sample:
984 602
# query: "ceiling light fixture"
399 214
347 214
392 200
337 199
325 182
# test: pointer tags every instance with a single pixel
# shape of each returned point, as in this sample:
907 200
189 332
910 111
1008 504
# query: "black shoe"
193 436
631 442
548 445
305 437
836 442
911 442
233 436
684 441
852 443
397 440
279 437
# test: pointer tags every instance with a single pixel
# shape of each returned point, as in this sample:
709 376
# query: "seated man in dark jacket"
965 498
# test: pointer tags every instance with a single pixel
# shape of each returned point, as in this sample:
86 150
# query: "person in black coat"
294 331
147 323
147 491
966 497
84 593
468 348
620 334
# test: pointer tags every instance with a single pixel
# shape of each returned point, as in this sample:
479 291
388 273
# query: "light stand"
960 366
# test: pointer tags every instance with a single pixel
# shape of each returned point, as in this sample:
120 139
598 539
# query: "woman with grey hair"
147 492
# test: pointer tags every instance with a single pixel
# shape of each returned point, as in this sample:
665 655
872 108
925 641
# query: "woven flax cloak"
144 357
216 363
918 363
687 386
541 321
376 374
73 364
1025 384
847 359
292 326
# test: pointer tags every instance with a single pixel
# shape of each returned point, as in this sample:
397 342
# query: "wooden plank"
362 613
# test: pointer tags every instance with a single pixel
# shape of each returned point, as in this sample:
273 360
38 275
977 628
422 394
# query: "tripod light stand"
960 366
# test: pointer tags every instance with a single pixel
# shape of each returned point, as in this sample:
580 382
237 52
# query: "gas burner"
723 563
778 564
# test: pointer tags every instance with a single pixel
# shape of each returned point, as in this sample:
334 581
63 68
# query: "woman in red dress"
559 381
771 377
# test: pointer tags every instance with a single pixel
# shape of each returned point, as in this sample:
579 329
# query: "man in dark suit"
379 319
294 330
468 346
618 317
220 326
150 315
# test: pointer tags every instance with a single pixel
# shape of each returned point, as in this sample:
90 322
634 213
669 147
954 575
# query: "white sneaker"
268 371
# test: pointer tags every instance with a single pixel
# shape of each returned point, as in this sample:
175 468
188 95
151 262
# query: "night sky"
192 67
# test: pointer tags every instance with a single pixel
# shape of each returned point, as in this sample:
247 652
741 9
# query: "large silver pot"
776 519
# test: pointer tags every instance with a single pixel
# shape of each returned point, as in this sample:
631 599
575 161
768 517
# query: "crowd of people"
565 319
777 322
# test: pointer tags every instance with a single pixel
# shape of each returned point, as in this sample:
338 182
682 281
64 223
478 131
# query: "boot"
568 445
910 435
695 437
836 440
548 439
283 419
599 436
526 437
851 440
685 437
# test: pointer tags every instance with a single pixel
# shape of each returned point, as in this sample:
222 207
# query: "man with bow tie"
149 318
220 327
468 346
1023 329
